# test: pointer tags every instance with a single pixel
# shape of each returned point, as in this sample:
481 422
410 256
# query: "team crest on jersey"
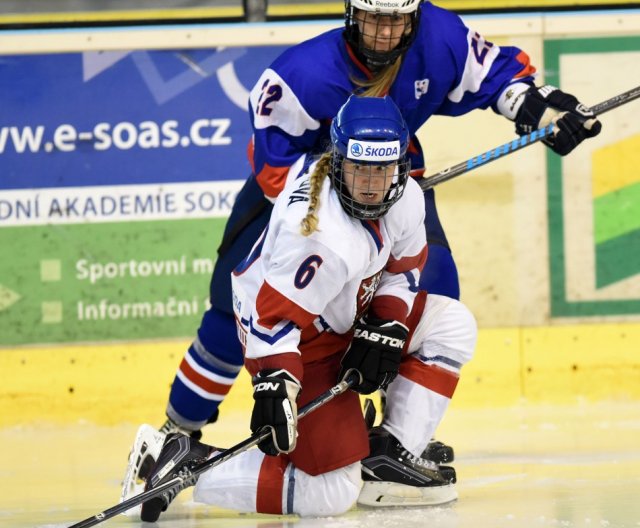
422 87
365 293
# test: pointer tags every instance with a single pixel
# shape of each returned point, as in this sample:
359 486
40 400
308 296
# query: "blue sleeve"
292 105
481 69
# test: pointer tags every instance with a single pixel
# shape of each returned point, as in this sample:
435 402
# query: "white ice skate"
143 456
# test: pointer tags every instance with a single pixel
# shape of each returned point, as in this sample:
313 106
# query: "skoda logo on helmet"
356 150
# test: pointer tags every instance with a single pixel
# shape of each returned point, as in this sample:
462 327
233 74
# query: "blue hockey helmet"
370 166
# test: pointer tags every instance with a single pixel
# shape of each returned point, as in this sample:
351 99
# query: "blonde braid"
381 83
309 223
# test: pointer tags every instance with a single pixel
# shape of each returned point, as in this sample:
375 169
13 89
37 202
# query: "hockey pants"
443 339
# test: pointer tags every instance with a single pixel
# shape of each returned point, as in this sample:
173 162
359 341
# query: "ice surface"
523 467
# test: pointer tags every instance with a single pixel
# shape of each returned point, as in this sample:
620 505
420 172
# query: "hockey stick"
518 143
351 379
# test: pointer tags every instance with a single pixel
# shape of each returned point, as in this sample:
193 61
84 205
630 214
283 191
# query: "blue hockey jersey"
448 70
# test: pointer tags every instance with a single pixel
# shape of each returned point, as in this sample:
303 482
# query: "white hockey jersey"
302 294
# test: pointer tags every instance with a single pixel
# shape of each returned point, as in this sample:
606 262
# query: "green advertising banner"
594 199
107 281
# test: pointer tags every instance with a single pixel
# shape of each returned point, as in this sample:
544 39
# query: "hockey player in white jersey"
329 288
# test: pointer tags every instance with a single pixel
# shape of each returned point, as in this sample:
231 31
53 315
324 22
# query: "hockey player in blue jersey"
429 63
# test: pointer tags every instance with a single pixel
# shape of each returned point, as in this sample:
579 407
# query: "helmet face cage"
369 164
367 190
386 30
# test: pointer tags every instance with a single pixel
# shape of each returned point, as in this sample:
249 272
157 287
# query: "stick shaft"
247 443
518 143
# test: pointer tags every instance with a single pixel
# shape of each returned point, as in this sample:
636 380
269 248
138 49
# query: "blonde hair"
309 223
379 85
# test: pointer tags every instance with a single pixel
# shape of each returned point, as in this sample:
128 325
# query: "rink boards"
129 382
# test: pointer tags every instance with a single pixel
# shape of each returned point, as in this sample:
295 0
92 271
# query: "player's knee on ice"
331 493
236 485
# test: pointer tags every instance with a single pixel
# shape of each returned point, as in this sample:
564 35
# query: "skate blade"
382 494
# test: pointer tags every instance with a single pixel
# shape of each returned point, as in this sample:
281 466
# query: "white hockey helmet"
377 60
386 7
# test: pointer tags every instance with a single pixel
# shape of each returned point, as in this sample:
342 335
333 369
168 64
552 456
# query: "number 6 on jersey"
307 271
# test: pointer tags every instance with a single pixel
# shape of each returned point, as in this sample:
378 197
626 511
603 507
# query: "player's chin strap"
350 380
518 143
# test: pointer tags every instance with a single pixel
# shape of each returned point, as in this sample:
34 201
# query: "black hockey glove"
375 353
275 393
573 121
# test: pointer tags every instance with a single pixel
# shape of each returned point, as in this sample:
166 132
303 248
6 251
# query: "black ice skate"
144 455
179 455
394 477
436 451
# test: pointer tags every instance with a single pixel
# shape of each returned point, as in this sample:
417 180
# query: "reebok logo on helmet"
385 4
